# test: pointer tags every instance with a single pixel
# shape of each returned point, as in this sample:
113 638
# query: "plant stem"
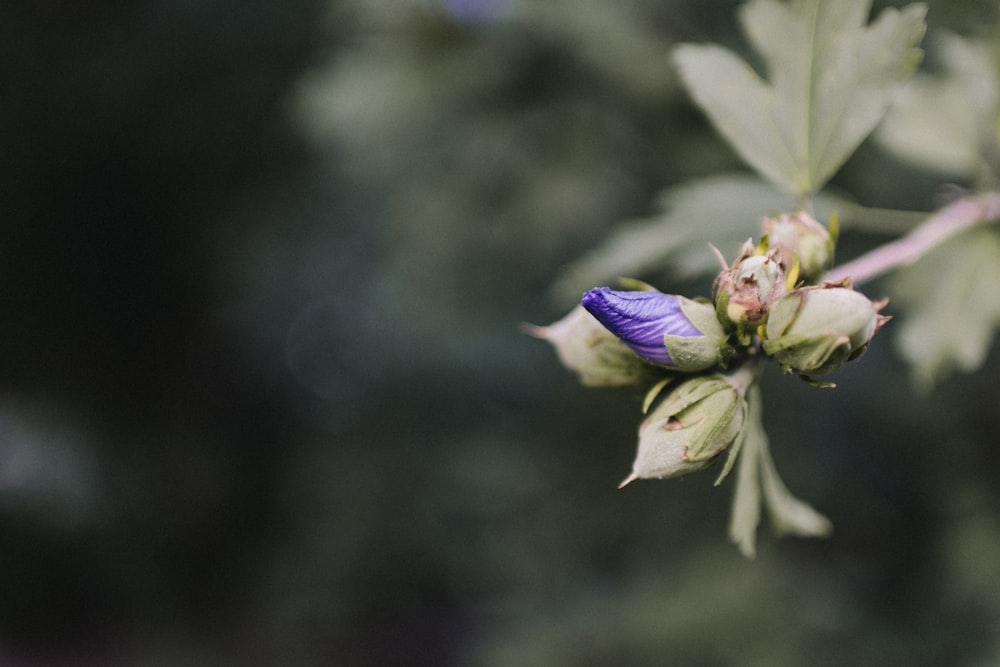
744 377
941 226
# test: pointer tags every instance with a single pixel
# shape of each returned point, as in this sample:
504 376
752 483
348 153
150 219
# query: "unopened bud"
672 331
815 330
745 291
597 357
696 422
798 239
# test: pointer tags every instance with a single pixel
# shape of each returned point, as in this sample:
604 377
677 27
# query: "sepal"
711 349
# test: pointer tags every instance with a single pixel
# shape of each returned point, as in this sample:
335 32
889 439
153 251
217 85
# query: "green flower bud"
815 330
596 355
697 421
798 238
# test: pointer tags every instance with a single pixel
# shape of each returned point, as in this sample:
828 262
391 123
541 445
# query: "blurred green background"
263 397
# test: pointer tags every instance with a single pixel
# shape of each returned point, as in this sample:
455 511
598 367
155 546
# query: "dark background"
263 398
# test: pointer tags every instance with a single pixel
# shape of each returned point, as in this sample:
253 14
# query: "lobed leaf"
945 122
830 80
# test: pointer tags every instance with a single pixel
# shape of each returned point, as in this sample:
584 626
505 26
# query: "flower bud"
668 330
597 357
798 237
693 425
815 330
745 291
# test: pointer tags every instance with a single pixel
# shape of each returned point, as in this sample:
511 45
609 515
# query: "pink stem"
949 221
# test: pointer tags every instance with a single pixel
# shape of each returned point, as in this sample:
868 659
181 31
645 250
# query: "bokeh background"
263 396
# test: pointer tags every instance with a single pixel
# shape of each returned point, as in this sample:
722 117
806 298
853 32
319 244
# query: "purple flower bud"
641 319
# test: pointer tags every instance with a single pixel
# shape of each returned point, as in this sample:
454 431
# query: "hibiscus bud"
745 291
815 330
597 357
699 420
799 238
668 330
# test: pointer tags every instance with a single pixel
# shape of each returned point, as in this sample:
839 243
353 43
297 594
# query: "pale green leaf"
757 473
951 302
745 516
789 515
830 79
944 122
725 210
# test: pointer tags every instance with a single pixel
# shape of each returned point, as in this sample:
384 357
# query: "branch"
949 221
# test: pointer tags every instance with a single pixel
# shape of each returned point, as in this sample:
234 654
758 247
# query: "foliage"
946 121
830 79
954 284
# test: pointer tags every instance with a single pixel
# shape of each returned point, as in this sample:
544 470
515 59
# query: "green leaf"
944 122
789 515
757 473
830 80
725 209
745 515
952 306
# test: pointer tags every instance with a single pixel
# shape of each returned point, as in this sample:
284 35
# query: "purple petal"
640 319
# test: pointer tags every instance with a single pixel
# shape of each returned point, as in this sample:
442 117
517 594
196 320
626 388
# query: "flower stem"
956 217
745 376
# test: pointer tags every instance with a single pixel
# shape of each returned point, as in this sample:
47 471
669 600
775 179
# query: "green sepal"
783 313
722 309
833 227
654 391
809 354
745 332
635 285
703 316
698 353
819 384
703 402
734 451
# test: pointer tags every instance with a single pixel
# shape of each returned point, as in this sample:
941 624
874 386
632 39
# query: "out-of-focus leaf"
745 515
943 122
830 80
951 304
756 474
789 515
724 210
